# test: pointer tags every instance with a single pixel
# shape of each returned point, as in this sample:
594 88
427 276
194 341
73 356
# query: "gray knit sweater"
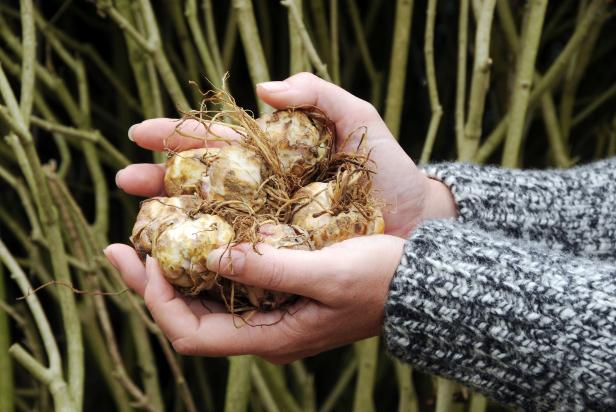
516 298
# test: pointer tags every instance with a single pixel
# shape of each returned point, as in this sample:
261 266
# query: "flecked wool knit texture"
517 297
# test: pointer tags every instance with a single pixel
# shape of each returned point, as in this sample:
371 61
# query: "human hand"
409 195
344 288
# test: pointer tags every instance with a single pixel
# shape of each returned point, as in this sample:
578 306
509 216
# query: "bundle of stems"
531 89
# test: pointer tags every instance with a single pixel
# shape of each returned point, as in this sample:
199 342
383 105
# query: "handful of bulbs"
282 183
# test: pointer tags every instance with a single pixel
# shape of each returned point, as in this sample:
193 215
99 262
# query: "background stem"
6 365
531 35
480 81
366 352
238 383
397 66
435 104
249 34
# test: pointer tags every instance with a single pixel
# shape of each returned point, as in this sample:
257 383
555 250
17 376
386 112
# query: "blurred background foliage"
512 82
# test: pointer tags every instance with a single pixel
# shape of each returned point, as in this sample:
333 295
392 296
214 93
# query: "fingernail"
273 87
226 262
117 178
130 132
110 257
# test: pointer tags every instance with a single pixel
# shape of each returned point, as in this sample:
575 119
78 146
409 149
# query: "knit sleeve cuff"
519 324
477 190
568 210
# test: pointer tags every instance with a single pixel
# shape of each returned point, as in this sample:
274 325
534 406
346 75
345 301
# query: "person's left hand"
344 289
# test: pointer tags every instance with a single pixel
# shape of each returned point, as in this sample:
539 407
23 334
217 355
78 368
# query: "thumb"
286 270
305 89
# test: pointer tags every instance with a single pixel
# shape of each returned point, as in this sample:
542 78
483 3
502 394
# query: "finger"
346 110
201 306
299 272
173 134
263 334
170 311
142 179
125 260
221 334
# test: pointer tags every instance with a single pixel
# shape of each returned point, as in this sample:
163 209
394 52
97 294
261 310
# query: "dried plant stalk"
397 66
6 365
461 74
523 80
435 104
480 81
249 34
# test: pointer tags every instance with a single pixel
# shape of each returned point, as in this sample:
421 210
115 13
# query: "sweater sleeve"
525 325
573 210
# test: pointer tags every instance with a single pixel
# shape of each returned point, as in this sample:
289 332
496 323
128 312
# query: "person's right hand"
344 288
410 196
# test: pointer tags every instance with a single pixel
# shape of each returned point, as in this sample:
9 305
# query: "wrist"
439 203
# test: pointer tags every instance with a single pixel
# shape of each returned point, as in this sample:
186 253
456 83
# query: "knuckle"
275 276
368 109
184 346
305 77
149 303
